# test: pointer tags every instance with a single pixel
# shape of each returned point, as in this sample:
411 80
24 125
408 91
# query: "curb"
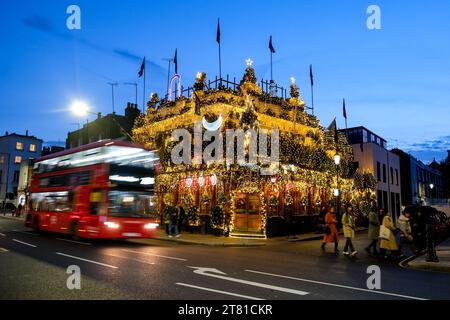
320 236
223 244
424 266
12 218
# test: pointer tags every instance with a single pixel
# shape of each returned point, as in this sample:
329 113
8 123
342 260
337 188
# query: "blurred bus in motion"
101 190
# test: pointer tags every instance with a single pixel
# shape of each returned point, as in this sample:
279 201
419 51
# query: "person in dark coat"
373 232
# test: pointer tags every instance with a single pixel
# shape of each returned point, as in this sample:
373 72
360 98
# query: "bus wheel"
74 231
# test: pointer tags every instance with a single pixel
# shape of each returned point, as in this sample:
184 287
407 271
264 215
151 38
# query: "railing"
268 87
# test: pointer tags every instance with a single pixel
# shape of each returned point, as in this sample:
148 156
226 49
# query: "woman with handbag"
387 236
331 233
348 223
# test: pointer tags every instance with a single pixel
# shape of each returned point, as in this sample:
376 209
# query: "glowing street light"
431 186
80 108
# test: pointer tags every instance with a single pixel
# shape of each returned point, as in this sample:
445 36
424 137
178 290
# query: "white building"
371 155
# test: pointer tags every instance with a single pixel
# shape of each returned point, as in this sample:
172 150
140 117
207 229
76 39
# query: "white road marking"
86 260
214 273
218 291
337 285
28 233
155 255
127 258
27 244
3 250
2 234
73 241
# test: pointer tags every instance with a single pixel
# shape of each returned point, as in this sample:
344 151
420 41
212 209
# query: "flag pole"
311 77
220 64
143 93
271 67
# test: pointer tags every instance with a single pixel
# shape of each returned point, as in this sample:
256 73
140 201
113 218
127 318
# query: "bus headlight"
151 226
111 225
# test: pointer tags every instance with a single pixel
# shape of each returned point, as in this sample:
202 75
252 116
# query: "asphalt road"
33 266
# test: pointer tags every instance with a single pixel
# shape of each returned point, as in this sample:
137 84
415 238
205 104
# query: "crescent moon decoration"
213 126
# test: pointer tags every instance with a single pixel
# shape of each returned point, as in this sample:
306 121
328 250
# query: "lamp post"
337 191
431 192
82 109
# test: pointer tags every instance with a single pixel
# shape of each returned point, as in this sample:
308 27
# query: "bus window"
96 201
131 204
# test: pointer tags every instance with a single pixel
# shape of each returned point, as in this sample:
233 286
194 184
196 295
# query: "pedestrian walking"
388 237
321 219
406 237
173 222
373 232
331 232
348 224
19 210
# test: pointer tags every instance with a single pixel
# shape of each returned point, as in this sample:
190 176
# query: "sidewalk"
443 253
210 240
10 217
316 236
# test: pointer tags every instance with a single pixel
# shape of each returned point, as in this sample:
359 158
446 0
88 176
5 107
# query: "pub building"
237 200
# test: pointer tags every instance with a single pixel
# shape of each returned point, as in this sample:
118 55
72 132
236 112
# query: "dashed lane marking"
73 241
3 250
218 291
337 285
154 255
86 260
25 243
2 235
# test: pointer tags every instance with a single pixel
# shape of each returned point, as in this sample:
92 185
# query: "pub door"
247 217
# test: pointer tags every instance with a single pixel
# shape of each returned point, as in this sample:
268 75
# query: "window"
32 147
392 175
1 173
19 145
384 173
18 160
396 175
16 176
378 171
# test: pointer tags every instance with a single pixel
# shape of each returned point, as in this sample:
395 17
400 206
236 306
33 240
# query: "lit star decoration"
249 62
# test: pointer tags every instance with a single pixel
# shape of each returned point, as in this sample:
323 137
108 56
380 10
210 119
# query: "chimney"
6 133
26 133
99 115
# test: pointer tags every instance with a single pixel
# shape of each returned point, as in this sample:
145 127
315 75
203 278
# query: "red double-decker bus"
101 190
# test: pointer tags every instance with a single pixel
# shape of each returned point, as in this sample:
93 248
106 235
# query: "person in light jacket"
391 243
348 224
374 231
403 223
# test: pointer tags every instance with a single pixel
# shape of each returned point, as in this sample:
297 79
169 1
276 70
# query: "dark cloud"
42 24
430 149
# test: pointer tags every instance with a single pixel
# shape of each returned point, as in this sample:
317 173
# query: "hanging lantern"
183 183
213 180
188 182
201 181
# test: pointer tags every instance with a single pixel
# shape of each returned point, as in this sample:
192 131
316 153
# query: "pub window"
396 175
18 159
19 145
32 147
384 173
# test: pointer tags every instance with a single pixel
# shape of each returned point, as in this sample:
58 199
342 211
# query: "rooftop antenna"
169 60
113 84
135 86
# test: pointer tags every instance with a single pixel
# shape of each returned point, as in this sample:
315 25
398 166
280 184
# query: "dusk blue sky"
396 81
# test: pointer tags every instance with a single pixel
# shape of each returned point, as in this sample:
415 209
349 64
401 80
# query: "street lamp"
80 108
337 192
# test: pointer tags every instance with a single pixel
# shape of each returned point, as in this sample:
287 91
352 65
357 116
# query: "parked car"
420 217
